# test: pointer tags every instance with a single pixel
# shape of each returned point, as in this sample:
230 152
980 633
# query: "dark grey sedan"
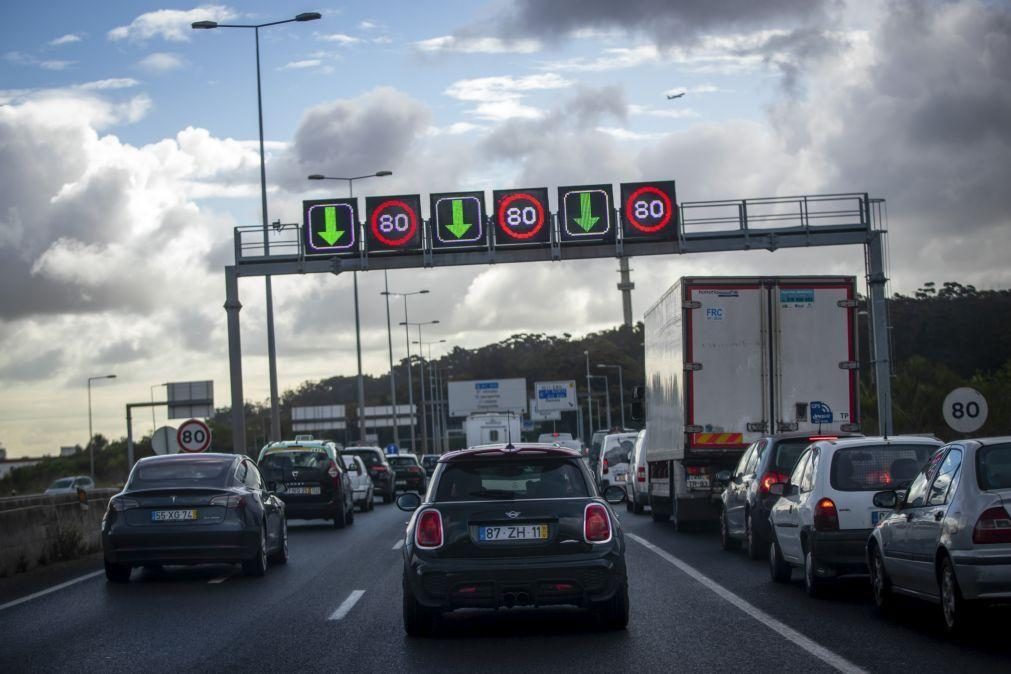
193 509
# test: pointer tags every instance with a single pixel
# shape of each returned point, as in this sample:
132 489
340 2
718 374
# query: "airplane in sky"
672 96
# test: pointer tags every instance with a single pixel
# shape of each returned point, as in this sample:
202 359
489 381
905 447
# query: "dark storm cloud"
32 369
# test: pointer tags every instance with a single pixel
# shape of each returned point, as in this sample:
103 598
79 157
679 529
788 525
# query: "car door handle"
938 515
909 517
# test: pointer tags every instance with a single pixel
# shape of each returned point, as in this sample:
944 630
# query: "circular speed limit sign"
194 436
648 209
965 410
394 223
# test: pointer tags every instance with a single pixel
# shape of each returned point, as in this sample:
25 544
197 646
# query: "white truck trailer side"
483 428
731 359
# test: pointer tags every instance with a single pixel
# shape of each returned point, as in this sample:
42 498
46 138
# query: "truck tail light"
826 518
603 467
770 478
596 524
640 474
993 526
428 533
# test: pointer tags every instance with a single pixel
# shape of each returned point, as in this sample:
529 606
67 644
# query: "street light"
589 396
275 410
431 386
607 398
621 391
358 328
91 435
389 337
421 366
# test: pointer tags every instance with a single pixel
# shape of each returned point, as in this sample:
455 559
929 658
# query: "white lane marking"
399 544
347 605
54 588
215 581
788 633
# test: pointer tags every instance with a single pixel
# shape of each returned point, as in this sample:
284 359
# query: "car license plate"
310 490
173 515
514 532
878 515
619 478
698 482
401 483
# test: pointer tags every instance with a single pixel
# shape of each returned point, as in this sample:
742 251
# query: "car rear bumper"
311 511
383 485
983 575
147 546
840 552
411 484
580 580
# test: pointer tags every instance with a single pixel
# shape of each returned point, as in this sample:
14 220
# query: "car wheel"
881 584
637 506
658 517
372 500
281 555
340 519
955 610
628 504
419 621
349 514
813 585
752 545
388 498
613 613
257 566
680 525
117 573
726 542
779 569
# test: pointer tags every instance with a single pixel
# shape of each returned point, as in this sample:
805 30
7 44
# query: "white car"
615 454
826 511
361 483
70 485
636 484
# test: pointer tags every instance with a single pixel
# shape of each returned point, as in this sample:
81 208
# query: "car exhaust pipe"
509 599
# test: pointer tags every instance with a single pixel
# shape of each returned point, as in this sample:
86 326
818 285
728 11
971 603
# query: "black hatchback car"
507 526
746 501
379 470
193 509
311 479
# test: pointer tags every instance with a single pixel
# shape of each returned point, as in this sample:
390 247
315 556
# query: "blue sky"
129 146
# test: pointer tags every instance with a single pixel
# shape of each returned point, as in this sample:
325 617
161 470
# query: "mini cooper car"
505 526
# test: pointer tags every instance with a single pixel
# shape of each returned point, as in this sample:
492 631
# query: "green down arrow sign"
458 227
586 218
331 234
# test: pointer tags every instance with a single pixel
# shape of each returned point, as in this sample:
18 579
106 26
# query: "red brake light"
640 474
121 503
228 501
428 533
596 524
379 469
604 467
826 518
816 438
415 469
694 470
993 526
769 479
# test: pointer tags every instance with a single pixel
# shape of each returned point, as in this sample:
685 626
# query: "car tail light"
332 471
640 474
415 470
596 524
120 504
603 467
816 438
428 533
228 501
993 526
826 518
694 470
379 469
770 478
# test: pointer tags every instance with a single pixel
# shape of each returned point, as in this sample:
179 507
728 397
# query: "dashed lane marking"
54 588
347 605
814 648
399 544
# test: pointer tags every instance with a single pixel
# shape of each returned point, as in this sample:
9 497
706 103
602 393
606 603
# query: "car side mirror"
723 476
886 499
409 502
614 494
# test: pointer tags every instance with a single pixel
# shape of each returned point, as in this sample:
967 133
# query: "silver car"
948 539
361 483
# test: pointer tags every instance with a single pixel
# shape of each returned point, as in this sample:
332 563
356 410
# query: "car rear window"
993 467
510 479
786 453
370 458
181 473
877 467
429 461
402 461
295 458
620 453
62 484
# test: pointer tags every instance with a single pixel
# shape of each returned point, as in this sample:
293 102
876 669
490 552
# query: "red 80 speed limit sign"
194 436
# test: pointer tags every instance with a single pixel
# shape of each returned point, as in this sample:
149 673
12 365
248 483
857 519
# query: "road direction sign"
164 441
555 395
965 410
190 399
458 220
586 213
330 226
393 224
522 217
193 436
649 210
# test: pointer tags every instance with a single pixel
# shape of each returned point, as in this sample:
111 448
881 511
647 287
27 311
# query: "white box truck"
729 360
483 428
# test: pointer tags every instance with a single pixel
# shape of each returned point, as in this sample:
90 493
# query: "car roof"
843 443
358 448
791 435
203 456
409 455
299 444
986 442
499 450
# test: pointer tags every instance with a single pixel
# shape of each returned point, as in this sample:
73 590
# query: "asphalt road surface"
336 607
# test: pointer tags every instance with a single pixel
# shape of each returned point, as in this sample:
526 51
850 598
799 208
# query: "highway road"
336 607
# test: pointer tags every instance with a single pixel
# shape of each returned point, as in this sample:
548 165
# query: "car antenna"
509 431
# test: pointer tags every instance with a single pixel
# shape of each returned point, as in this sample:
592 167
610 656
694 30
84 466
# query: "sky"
128 144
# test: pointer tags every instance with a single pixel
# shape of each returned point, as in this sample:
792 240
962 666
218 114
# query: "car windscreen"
786 453
295 458
993 467
62 484
402 461
511 479
369 457
181 473
878 467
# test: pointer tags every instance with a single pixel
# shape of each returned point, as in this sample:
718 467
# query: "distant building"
69 451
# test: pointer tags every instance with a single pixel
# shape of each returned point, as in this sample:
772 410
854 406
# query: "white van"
636 483
615 455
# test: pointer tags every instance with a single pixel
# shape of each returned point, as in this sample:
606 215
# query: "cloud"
340 38
56 64
500 98
169 24
23 59
69 38
476 45
668 113
368 25
161 62
302 65
107 84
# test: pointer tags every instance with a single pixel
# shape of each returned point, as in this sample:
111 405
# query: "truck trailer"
731 359
482 428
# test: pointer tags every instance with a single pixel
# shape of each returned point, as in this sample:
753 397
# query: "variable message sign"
522 217
393 224
585 214
330 226
649 210
458 220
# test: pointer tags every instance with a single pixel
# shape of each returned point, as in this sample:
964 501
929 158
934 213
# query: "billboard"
541 415
555 396
318 418
190 399
487 395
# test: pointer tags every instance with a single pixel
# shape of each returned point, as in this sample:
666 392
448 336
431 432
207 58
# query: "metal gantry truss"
702 227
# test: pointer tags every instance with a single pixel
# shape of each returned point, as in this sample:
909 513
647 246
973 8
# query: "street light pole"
389 336
91 434
389 342
607 399
421 365
275 410
589 395
431 383
621 391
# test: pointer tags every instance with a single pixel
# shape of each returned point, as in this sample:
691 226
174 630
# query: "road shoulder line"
812 647
50 590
